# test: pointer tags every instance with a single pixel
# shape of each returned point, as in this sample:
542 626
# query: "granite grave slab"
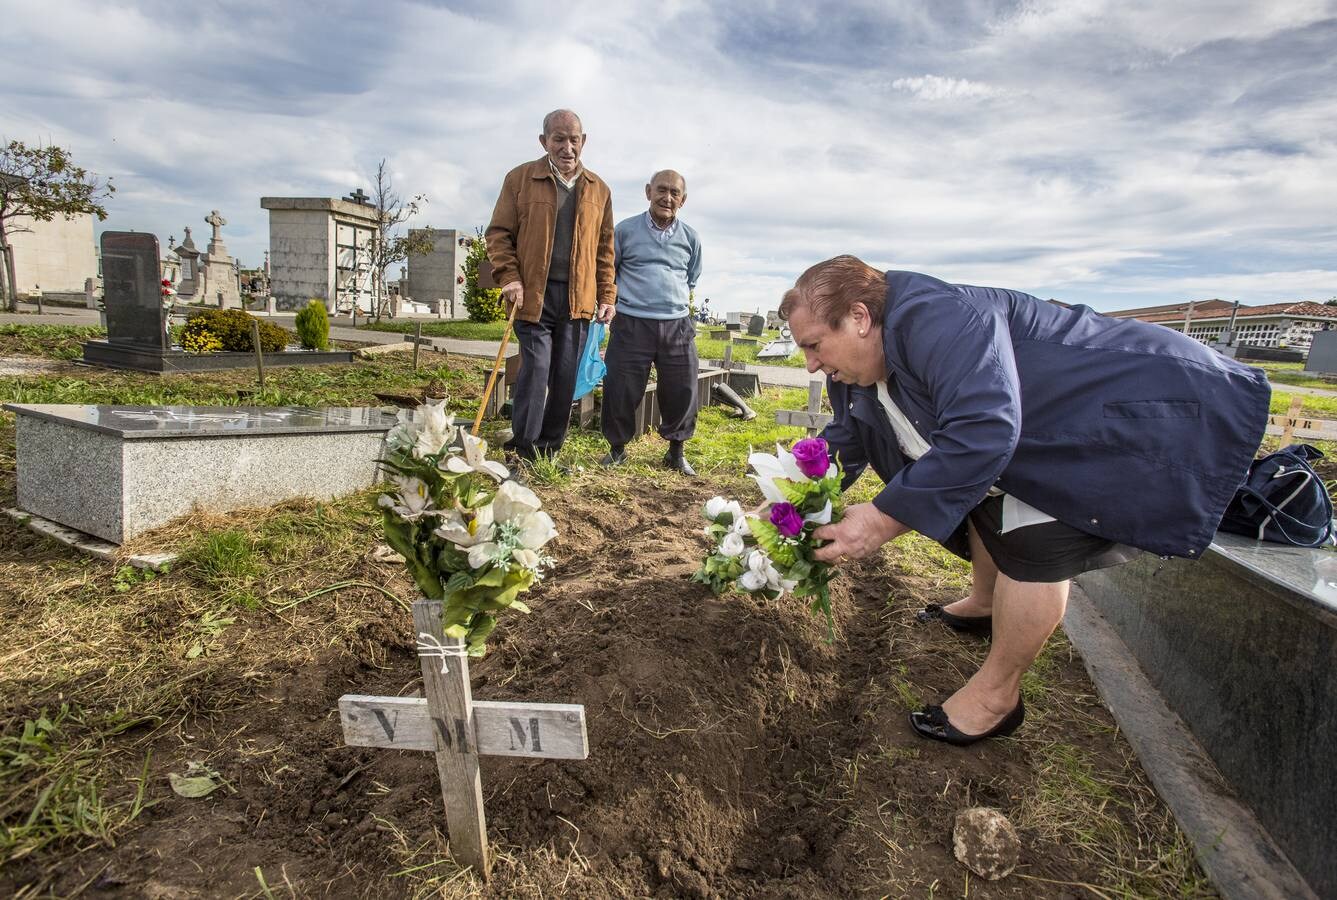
1242 645
117 471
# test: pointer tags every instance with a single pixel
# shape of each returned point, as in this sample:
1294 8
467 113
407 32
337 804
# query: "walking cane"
496 367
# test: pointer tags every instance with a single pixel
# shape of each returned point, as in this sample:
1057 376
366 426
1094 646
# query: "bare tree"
387 247
38 184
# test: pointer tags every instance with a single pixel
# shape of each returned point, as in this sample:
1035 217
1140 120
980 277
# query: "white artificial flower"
514 499
789 465
715 506
761 574
821 517
466 531
732 544
475 459
435 427
535 529
404 434
768 468
527 558
413 500
482 554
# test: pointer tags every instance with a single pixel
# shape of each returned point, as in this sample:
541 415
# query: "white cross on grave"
458 729
811 418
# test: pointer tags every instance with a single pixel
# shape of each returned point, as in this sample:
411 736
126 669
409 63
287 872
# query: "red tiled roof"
1305 309
1172 309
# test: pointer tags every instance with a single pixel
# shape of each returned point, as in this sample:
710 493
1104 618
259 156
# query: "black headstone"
132 289
756 325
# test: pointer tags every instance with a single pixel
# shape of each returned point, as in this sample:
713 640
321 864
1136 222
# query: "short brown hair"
829 289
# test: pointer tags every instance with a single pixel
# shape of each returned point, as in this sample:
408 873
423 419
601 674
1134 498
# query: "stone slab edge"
380 349
86 543
1236 852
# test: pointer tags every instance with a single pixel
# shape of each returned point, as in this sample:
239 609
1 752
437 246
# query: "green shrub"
232 327
483 305
313 326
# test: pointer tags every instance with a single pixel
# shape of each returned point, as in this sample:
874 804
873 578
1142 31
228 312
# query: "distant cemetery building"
1278 325
319 249
437 278
54 257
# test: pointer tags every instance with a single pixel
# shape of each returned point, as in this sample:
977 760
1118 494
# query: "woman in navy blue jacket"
1040 440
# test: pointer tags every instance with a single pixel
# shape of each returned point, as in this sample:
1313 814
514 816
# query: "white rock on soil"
986 843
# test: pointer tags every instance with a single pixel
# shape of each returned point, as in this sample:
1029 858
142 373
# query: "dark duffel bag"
1283 500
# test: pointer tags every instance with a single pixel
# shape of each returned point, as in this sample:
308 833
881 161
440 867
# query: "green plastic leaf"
769 537
193 787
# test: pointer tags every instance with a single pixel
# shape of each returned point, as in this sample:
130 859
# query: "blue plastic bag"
591 370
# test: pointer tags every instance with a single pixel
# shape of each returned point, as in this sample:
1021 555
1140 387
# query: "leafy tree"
386 247
483 304
38 184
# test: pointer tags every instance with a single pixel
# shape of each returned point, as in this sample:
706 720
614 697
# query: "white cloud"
936 87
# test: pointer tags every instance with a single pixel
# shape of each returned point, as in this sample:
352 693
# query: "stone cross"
458 729
217 222
359 197
811 418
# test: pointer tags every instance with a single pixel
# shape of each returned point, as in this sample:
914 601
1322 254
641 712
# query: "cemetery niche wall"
138 336
318 249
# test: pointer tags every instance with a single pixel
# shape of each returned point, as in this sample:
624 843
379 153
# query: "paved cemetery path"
785 376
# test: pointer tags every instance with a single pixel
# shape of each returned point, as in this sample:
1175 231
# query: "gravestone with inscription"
132 291
117 471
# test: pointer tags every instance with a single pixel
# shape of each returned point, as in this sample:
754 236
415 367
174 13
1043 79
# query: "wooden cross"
811 418
727 364
458 729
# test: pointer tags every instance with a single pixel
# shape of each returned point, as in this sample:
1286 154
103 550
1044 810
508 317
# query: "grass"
49 774
48 341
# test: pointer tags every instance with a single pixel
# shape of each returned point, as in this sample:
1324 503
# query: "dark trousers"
549 353
633 345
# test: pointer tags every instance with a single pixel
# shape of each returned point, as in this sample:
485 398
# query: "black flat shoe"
931 722
613 458
980 625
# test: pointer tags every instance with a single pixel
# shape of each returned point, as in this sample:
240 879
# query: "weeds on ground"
47 341
49 786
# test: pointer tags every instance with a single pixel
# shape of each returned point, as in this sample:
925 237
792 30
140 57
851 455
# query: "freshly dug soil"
735 752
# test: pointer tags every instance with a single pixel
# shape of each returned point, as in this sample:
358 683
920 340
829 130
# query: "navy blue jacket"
1121 428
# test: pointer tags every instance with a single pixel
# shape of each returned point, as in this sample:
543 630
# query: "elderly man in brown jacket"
550 242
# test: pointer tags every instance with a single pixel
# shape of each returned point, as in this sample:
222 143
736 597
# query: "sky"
1117 154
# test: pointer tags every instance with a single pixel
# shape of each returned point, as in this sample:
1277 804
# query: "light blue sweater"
654 278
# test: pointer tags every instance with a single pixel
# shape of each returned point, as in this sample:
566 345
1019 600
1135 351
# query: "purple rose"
786 519
811 456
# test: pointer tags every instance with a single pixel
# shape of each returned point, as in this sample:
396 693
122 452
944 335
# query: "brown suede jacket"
519 239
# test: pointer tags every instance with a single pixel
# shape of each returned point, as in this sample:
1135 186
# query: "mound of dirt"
735 751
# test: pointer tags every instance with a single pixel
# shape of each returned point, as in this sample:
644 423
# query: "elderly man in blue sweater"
658 262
